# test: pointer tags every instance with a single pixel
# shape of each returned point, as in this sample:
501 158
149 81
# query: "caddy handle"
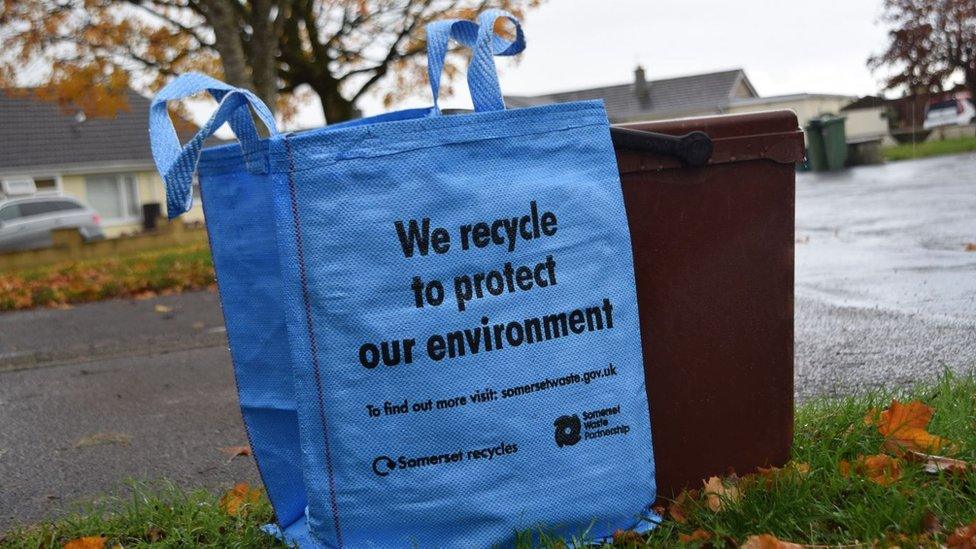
693 149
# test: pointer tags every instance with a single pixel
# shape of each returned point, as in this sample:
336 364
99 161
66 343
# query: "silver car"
26 223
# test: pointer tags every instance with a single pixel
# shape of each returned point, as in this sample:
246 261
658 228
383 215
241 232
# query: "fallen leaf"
931 523
963 537
904 427
99 439
792 471
198 325
881 469
154 534
88 542
627 538
163 309
677 509
971 246
698 535
768 541
719 495
844 468
238 499
934 464
234 451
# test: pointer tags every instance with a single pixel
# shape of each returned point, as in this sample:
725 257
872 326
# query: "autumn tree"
930 42
88 52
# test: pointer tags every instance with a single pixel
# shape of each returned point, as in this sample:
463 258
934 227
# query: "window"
113 196
27 185
18 186
29 209
66 205
46 184
10 212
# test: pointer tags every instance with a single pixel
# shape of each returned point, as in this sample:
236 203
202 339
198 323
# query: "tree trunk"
335 107
970 73
227 41
263 51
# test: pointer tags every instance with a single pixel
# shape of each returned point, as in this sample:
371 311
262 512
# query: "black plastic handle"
693 149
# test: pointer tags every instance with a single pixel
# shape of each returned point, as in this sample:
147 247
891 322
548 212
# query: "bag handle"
177 164
482 78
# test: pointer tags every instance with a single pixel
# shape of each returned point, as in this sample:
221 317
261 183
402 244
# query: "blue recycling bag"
452 298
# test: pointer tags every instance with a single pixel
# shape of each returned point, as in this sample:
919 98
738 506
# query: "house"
723 92
642 99
865 122
104 162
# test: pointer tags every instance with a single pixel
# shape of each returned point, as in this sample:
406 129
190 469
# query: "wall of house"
861 123
805 107
870 122
149 189
742 91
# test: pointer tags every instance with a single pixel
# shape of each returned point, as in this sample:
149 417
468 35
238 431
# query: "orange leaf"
697 535
88 542
719 495
904 427
677 508
880 469
792 471
238 499
768 541
844 467
899 416
971 246
963 537
627 538
234 451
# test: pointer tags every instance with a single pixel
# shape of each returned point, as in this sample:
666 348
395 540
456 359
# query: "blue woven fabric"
433 318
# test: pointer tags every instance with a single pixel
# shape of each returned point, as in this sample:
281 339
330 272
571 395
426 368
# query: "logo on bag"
567 430
382 466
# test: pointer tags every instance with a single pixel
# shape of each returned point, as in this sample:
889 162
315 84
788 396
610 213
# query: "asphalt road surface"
91 396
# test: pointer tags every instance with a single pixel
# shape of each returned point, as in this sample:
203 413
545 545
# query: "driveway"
886 295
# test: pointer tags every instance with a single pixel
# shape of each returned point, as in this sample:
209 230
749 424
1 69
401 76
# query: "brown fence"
70 246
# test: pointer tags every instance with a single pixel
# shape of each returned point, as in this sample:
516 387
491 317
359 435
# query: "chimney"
640 86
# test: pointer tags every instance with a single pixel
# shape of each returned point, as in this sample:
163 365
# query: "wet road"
885 289
886 295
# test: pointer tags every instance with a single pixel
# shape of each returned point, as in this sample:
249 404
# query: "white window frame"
58 186
119 177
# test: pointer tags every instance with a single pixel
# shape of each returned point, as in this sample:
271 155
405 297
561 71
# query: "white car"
957 111
26 223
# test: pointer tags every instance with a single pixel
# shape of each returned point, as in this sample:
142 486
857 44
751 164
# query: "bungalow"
642 99
104 162
723 92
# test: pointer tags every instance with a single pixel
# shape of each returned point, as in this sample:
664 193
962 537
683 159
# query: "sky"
785 46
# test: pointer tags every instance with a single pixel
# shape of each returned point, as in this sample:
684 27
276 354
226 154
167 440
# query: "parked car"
26 223
955 111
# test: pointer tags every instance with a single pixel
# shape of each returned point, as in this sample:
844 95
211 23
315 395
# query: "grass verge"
930 148
145 274
820 506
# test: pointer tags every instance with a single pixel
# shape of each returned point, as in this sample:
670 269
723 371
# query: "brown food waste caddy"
713 259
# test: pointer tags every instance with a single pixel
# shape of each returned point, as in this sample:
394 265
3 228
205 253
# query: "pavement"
143 389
